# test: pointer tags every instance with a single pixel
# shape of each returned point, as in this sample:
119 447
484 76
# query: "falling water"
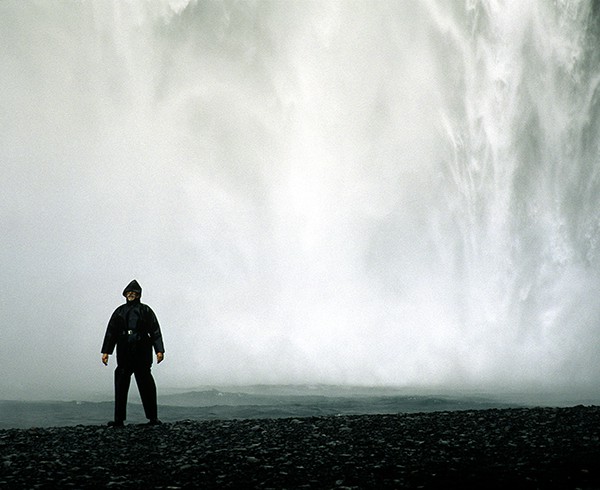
521 184
363 192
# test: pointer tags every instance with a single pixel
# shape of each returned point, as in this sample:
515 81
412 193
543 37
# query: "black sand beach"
495 448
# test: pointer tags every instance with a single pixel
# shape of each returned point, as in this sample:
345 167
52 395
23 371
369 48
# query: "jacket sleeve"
111 336
154 331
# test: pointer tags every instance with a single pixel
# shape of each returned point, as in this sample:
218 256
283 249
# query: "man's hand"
105 359
159 357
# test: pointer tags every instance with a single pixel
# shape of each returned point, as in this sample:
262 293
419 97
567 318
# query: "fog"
333 192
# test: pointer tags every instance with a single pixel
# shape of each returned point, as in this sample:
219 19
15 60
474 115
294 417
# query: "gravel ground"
507 448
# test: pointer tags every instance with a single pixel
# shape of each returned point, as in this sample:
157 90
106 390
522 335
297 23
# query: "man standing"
134 329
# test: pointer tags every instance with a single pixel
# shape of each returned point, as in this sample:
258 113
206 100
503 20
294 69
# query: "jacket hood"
133 286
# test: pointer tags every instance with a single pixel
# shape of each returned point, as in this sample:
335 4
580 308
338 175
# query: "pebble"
545 447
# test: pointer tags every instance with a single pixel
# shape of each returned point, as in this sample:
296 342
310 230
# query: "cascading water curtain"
522 182
339 191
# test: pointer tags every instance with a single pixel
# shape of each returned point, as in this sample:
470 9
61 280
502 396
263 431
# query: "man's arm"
111 335
154 331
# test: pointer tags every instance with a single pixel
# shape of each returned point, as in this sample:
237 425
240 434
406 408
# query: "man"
134 329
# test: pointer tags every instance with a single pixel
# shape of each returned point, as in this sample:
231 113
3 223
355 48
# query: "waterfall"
390 192
521 185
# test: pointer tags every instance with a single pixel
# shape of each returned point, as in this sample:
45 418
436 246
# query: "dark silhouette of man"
134 329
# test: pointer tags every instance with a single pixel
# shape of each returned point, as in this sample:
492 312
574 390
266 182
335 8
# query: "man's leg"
122 382
147 388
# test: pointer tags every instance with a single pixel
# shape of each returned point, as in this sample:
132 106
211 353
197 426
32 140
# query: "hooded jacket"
134 329
133 286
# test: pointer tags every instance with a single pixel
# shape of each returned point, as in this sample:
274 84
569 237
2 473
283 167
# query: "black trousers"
146 387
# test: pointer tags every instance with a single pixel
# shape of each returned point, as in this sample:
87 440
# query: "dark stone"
512 448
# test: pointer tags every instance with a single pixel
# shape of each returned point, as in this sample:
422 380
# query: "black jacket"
134 329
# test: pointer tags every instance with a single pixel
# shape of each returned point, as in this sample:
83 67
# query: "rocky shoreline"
495 448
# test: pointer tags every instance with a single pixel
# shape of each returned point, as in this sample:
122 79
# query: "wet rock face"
518 448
